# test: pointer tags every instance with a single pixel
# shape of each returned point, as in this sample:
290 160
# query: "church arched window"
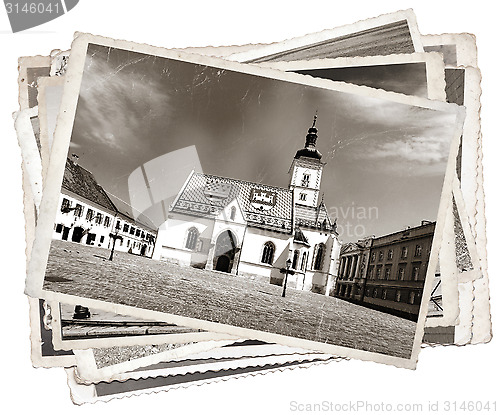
232 215
319 256
304 261
192 238
305 179
295 261
268 253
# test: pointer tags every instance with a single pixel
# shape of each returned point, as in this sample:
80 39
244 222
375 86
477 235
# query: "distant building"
252 229
88 215
134 236
388 272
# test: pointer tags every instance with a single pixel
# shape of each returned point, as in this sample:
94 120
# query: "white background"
443 373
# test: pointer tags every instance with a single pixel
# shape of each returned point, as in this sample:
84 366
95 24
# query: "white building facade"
251 229
88 216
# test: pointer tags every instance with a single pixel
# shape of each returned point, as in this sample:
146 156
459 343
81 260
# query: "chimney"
75 158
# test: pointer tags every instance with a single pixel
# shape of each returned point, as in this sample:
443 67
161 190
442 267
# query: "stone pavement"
144 283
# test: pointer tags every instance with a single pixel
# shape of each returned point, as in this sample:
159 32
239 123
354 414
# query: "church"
255 230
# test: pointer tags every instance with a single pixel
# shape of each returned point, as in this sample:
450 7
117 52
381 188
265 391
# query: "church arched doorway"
225 251
223 264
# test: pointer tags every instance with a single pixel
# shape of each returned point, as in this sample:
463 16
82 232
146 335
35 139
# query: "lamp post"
114 236
287 271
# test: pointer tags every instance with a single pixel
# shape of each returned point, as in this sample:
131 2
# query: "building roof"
425 229
314 217
128 213
263 206
299 237
309 149
82 183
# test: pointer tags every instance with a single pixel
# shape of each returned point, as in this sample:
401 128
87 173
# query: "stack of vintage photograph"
208 213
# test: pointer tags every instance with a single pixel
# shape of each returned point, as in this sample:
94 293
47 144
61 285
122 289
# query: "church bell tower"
306 169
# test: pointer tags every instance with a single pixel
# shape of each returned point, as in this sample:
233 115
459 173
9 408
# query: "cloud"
118 104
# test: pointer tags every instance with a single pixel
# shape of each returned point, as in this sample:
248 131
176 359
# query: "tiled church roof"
263 206
313 217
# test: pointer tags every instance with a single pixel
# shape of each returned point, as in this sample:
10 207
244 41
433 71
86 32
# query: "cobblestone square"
85 271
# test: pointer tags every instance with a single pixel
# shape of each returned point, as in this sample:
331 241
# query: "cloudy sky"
134 108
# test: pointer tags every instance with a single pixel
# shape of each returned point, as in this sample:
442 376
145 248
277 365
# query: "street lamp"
114 236
287 271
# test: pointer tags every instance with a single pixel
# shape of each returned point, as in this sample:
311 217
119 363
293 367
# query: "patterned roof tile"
263 206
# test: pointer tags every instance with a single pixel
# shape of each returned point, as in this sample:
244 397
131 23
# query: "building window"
305 180
128 243
404 252
372 257
387 273
66 204
384 294
132 231
379 272
137 232
319 256
401 273
411 298
232 215
415 273
102 239
295 261
268 253
375 293
304 260
107 221
390 254
125 227
381 256
59 228
418 250
143 234
302 197
98 218
90 214
192 238
398 296
78 210
370 272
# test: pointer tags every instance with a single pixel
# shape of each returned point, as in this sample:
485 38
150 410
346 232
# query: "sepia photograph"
276 206
387 34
